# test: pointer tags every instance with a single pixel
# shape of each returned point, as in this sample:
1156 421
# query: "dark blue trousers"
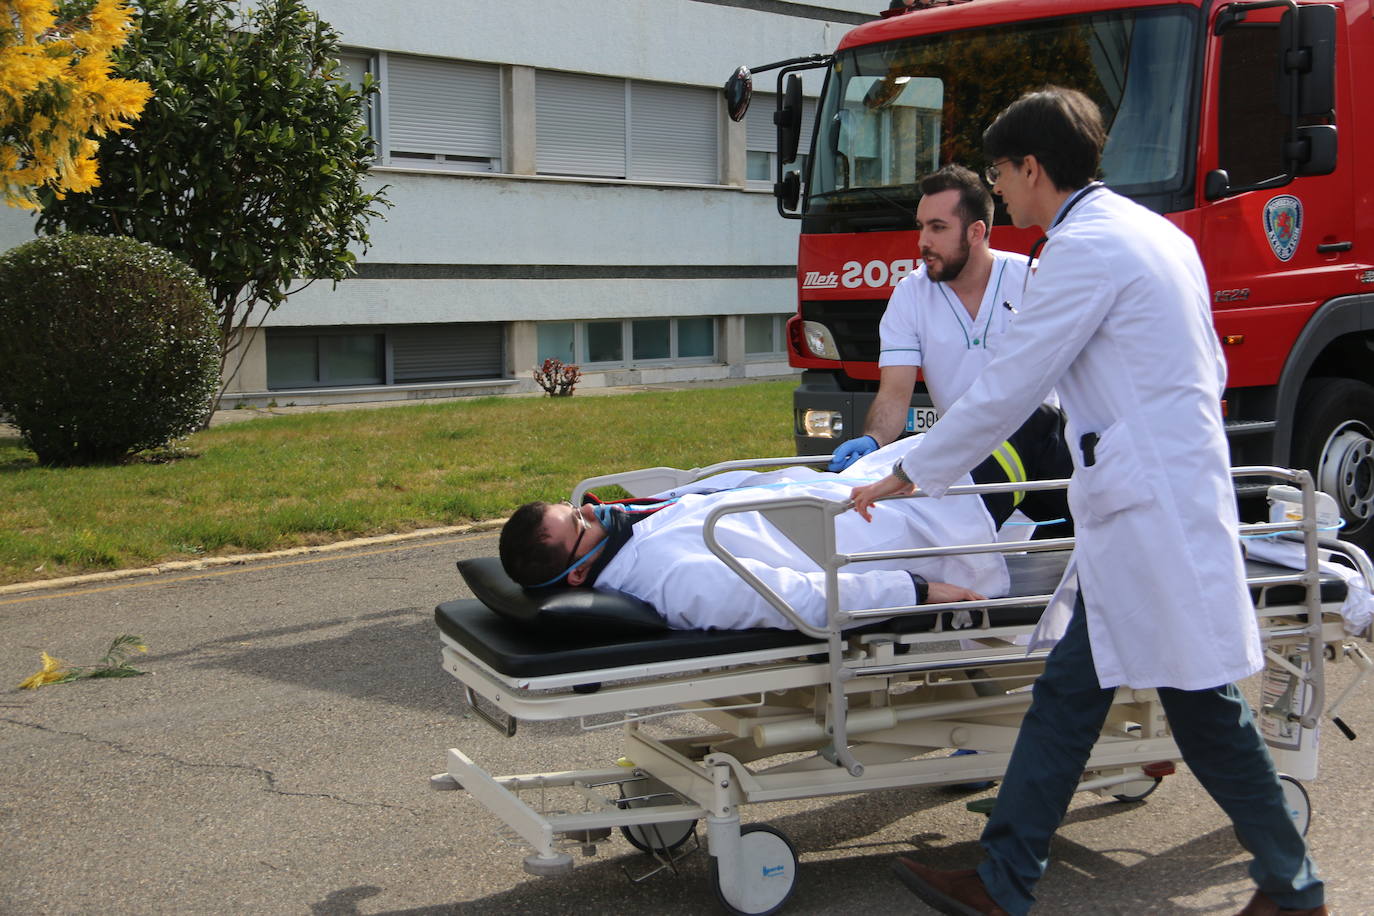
1220 742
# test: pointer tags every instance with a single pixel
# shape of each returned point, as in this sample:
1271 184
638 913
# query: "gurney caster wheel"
663 837
560 863
766 872
1137 789
1299 805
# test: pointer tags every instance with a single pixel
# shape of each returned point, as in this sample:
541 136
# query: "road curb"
241 559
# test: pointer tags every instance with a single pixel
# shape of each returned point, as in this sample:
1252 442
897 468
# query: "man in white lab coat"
1117 319
657 552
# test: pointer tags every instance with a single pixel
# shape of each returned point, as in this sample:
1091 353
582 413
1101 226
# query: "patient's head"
542 540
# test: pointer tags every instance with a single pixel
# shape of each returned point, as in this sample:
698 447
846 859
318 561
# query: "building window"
763 334
674 133
442 113
646 340
557 340
605 342
653 338
696 338
605 127
353 67
324 360
397 355
761 139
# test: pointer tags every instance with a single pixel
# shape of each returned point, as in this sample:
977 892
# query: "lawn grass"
313 478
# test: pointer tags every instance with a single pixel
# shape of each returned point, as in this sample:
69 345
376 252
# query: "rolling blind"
760 132
674 133
443 107
443 352
579 124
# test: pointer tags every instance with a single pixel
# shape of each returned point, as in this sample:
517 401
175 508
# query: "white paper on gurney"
1358 608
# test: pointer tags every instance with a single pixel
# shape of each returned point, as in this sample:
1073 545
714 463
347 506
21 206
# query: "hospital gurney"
874 700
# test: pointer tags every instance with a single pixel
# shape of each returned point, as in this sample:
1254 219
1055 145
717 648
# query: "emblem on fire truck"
1283 225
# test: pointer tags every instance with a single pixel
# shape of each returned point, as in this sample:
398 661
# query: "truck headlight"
819 340
822 424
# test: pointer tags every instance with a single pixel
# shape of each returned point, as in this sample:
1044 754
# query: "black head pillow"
558 609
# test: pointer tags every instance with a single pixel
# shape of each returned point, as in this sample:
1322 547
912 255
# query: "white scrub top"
926 325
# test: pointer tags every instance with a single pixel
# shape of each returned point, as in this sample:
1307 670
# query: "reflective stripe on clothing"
1009 458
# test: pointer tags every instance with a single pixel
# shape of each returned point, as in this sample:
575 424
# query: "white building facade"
566 184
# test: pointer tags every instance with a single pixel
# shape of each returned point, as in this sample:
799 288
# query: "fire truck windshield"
896 111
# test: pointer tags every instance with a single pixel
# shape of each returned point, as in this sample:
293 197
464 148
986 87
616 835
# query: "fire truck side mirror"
1216 184
1308 40
788 192
788 120
739 89
1316 149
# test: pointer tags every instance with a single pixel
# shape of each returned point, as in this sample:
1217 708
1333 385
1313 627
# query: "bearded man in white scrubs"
1117 318
946 316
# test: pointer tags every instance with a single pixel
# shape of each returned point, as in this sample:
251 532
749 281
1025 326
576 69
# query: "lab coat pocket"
1115 482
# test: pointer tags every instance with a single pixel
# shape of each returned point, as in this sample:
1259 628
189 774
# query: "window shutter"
762 135
807 127
759 132
429 353
673 133
352 68
441 107
579 124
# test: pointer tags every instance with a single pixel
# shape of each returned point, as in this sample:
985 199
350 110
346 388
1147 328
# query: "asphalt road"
276 761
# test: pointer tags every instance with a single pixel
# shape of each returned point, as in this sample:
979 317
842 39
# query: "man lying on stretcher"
655 550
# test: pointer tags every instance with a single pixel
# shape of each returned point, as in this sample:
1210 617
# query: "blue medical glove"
851 451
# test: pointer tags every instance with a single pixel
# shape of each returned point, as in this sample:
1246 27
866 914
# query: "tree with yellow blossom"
56 93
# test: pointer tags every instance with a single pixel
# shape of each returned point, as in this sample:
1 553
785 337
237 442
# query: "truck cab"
1240 122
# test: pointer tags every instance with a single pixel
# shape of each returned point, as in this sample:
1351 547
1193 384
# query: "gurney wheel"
1299 805
663 837
1137 789
767 872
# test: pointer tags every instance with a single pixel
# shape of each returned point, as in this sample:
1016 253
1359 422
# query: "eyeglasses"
582 529
993 172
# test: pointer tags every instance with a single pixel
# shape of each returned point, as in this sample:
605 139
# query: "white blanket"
1358 608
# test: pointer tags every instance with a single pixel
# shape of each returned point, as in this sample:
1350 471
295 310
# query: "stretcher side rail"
809 523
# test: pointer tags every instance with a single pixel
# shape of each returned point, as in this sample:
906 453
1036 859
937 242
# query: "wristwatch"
900 473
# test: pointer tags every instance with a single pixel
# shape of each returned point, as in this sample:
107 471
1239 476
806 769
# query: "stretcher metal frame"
844 711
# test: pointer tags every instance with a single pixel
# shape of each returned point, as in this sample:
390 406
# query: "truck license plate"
920 419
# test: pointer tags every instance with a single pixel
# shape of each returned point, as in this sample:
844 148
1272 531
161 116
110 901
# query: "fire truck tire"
1335 440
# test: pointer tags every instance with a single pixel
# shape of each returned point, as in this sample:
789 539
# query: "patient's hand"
940 592
864 497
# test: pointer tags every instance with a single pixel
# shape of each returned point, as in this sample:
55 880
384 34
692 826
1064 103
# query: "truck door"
1290 283
1272 255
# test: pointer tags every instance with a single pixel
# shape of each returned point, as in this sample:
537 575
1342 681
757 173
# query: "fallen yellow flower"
54 669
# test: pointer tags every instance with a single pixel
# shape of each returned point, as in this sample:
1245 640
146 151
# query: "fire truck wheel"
1335 440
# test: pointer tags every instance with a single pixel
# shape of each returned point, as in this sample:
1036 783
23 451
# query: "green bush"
107 346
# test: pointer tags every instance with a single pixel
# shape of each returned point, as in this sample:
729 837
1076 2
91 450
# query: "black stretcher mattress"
527 649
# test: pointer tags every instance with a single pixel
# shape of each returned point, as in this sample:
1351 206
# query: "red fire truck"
1238 120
